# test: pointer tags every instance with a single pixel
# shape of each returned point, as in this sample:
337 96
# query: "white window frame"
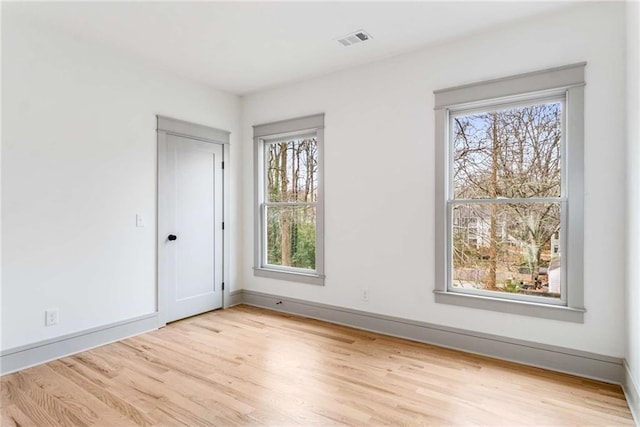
565 84
265 134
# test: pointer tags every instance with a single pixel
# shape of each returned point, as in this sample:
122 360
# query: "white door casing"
190 219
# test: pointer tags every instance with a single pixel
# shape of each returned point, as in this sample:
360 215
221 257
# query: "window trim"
265 133
568 80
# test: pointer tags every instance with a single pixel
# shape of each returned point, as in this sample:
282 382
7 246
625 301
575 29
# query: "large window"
289 205
509 207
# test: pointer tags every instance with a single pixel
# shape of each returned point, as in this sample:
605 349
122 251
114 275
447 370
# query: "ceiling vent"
355 38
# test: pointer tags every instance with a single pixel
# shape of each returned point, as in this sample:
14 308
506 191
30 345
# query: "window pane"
513 153
291 236
292 170
509 248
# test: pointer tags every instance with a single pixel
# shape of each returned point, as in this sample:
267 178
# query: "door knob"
172 237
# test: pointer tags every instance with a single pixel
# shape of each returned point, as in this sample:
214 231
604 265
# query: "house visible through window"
289 205
509 194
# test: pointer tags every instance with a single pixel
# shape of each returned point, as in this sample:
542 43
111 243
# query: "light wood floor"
246 365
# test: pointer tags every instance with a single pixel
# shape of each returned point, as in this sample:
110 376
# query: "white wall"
633 193
379 140
78 163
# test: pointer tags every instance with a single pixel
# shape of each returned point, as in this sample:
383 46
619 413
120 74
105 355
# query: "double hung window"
289 200
509 199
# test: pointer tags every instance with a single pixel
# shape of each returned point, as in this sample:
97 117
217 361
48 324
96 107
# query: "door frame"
169 126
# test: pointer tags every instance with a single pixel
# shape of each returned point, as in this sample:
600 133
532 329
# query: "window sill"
524 308
292 276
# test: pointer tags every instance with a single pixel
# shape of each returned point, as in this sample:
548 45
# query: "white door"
191 190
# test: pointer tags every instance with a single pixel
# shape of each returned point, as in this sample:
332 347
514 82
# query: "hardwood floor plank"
247 366
98 389
18 397
85 405
11 416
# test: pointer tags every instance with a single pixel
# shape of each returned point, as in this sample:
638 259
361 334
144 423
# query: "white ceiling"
242 47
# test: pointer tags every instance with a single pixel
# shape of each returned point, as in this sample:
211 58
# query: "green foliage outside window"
291 188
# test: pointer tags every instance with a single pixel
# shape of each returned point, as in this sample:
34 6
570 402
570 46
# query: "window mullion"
291 203
509 201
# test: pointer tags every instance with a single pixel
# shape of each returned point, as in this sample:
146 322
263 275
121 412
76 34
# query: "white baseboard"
235 298
632 393
576 362
18 358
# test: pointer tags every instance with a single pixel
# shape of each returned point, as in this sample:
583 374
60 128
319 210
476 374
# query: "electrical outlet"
139 221
365 295
51 317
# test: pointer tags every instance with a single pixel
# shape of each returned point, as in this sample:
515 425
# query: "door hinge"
223 286
222 165
223 225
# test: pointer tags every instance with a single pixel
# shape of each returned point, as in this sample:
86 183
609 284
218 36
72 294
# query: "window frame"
562 83
554 97
265 134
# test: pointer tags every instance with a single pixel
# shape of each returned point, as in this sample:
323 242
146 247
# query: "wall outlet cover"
51 317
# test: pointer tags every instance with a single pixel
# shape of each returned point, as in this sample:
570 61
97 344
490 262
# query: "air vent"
355 38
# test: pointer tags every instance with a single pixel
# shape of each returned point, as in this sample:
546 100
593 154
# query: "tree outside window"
292 192
506 206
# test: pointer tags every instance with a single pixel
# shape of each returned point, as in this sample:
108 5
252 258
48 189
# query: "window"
509 194
289 200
